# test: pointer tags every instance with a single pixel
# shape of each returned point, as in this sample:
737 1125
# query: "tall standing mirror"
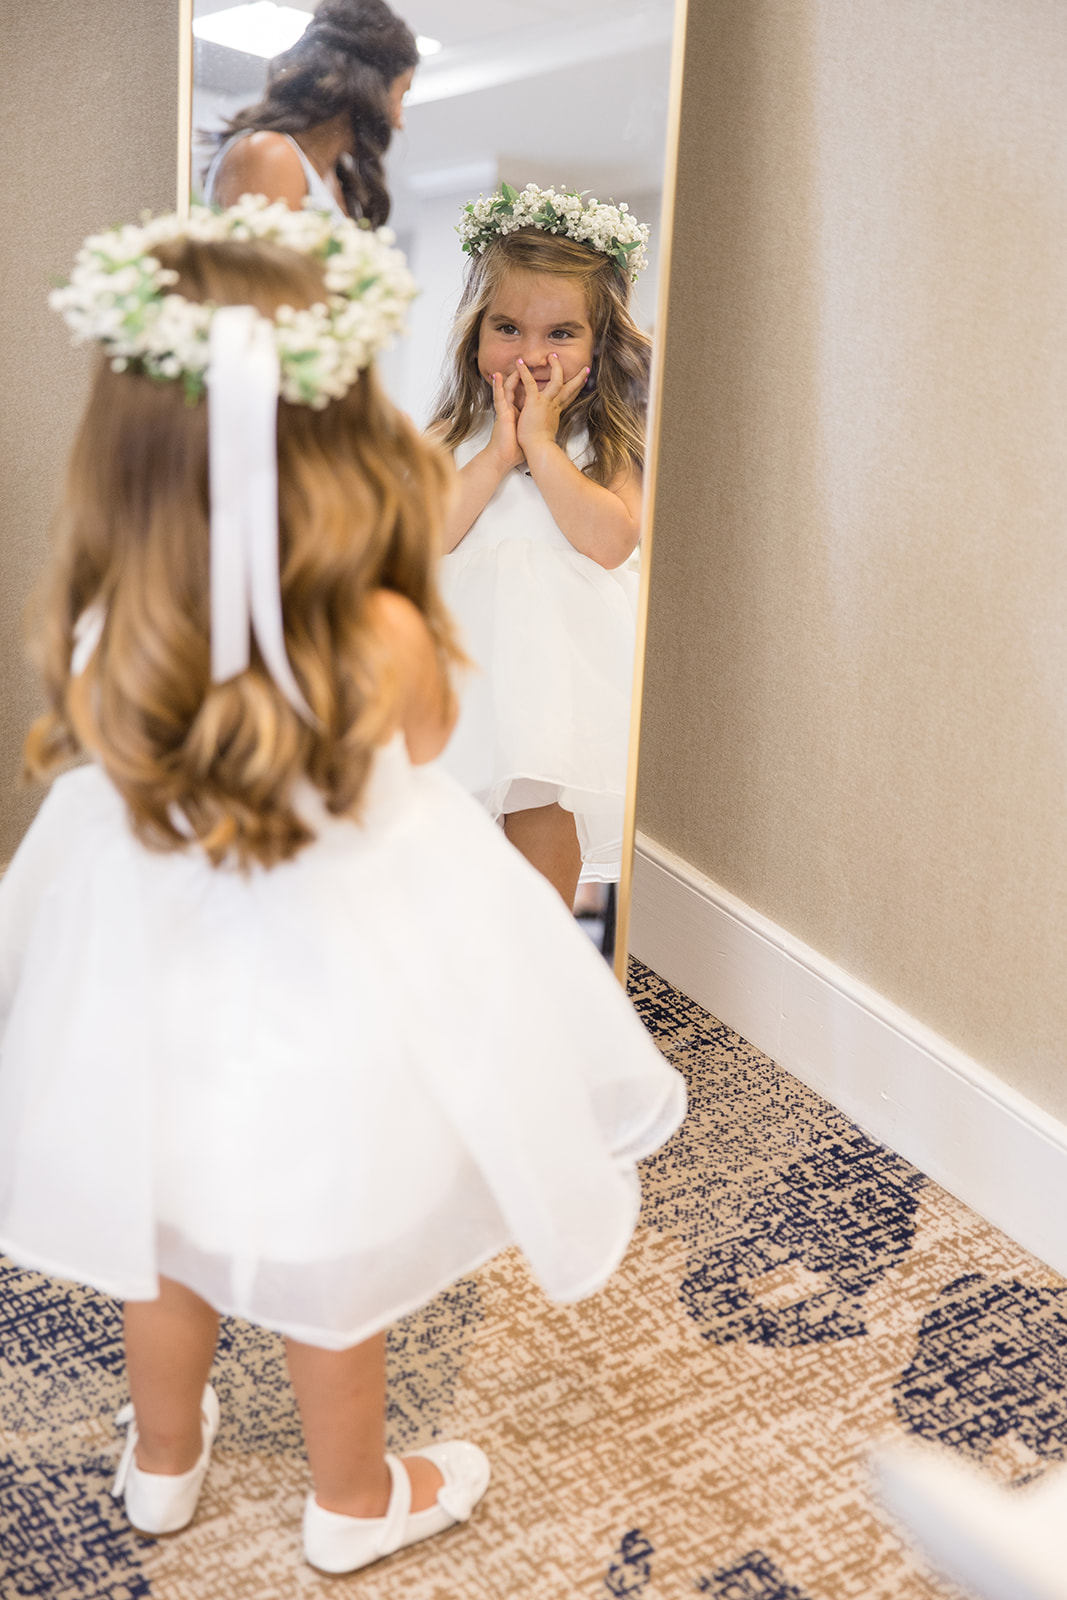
570 94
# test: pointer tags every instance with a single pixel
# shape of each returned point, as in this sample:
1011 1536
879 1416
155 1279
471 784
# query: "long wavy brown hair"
612 408
360 501
345 62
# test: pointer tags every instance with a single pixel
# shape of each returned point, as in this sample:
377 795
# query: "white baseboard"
958 1123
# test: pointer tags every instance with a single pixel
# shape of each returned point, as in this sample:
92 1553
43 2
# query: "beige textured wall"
856 712
89 120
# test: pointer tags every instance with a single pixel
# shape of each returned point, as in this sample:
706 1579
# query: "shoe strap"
396 1518
125 1416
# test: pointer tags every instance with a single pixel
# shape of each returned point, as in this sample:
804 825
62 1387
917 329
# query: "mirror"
571 94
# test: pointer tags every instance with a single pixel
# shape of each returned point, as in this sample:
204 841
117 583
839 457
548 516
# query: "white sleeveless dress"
318 190
545 717
320 1093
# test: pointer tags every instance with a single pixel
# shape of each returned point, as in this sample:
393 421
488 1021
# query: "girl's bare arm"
478 481
476 484
604 523
428 708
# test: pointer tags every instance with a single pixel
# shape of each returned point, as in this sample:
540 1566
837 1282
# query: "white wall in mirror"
566 92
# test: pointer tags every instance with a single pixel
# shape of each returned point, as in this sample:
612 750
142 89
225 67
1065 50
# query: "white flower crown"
118 297
609 229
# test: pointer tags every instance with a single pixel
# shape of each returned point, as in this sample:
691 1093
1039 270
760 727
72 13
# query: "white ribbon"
243 382
88 631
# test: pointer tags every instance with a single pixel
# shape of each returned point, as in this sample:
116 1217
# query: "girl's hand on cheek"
503 441
542 408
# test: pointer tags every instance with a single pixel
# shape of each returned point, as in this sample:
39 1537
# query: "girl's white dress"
315 1094
546 714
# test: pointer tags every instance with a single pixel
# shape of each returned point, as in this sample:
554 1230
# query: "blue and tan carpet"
795 1292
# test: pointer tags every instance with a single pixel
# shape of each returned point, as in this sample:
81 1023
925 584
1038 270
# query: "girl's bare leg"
170 1345
547 837
341 1395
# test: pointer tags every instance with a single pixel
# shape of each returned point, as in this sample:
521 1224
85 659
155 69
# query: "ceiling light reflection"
259 29
262 28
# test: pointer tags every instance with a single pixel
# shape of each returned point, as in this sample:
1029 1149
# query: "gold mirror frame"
185 107
670 186
670 178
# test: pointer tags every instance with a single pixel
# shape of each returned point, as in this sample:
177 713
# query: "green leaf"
510 194
193 385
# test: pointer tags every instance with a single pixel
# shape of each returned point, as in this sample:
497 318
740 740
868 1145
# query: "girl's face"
531 316
397 90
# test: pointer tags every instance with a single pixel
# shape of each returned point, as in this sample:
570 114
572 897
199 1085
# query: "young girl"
251 1061
545 410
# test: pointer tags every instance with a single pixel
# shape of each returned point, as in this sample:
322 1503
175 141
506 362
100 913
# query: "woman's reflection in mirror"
544 404
330 109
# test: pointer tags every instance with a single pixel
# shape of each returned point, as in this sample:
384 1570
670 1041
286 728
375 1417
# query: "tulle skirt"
545 715
320 1093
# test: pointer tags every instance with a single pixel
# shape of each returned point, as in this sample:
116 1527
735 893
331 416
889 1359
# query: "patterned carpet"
794 1293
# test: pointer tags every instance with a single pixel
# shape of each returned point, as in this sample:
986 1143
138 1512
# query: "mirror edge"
670 184
185 107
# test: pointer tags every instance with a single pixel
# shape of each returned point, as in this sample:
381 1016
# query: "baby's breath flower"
120 296
609 229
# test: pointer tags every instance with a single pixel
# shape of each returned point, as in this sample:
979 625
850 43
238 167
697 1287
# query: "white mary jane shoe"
336 1543
158 1502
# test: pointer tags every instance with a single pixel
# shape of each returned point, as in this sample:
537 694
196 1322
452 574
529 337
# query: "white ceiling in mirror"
266 28
260 28
587 34
208 8
594 58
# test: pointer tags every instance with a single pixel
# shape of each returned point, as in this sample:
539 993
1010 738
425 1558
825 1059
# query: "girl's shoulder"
426 707
404 634
394 618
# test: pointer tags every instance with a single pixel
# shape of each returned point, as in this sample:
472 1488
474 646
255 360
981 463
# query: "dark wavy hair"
349 55
612 407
